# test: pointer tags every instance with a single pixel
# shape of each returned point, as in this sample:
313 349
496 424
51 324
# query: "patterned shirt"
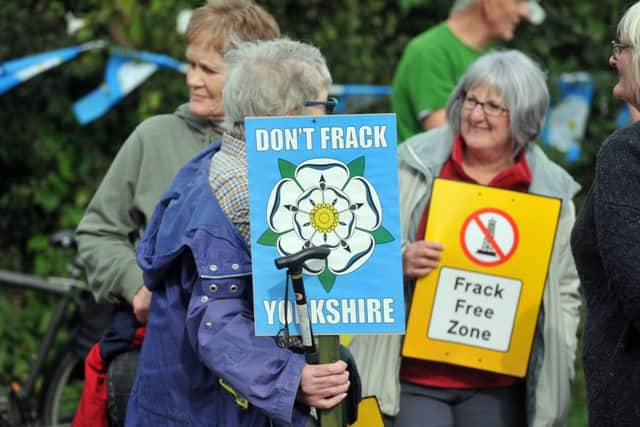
229 182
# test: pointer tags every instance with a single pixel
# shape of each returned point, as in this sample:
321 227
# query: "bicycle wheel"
62 389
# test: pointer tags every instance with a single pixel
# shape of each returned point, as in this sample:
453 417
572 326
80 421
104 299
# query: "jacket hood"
168 231
428 151
188 217
197 123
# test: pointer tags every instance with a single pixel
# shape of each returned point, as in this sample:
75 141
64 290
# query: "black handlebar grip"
294 261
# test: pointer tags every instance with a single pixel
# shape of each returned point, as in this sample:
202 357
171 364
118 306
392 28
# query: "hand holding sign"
324 386
421 258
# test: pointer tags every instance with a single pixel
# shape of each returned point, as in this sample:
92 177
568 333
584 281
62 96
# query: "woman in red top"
496 111
495 114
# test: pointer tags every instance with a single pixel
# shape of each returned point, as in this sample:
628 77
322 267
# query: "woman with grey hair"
201 362
279 78
606 246
495 113
271 79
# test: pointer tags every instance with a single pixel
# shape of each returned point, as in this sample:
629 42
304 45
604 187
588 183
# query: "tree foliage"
50 165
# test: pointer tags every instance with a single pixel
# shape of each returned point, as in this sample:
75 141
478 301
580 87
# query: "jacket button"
204 299
213 267
213 287
208 325
233 288
235 266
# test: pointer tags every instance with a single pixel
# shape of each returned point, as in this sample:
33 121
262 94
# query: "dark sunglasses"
329 105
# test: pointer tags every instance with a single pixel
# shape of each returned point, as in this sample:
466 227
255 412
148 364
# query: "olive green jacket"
139 174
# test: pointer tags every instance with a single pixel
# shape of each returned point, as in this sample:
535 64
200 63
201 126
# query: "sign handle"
329 349
328 346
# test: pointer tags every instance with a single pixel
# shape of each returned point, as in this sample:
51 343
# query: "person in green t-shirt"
433 61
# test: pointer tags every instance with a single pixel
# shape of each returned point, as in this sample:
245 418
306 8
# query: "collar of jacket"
198 123
426 153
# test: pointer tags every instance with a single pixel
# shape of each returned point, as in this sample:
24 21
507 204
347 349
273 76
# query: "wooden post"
329 352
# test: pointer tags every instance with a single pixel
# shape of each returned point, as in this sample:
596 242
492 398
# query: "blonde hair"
629 28
219 22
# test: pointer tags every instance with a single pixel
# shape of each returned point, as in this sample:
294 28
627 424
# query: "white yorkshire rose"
325 206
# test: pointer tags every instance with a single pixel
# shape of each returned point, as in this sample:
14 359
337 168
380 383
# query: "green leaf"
382 235
327 279
268 238
287 169
356 167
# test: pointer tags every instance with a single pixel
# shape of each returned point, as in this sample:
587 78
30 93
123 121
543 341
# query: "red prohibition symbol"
489 237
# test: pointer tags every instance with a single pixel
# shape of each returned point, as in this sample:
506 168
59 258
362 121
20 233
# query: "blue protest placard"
328 181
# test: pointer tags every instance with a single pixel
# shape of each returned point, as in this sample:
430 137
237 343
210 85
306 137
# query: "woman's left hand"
421 258
325 385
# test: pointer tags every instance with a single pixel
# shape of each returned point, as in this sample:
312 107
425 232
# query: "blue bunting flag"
16 71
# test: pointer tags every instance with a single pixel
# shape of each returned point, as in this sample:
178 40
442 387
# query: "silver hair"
461 5
271 78
521 83
629 29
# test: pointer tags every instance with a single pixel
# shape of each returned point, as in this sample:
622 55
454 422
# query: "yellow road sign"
480 306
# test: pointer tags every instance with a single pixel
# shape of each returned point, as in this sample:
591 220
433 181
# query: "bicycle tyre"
62 388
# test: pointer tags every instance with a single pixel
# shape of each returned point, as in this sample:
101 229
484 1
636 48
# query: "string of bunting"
564 128
126 69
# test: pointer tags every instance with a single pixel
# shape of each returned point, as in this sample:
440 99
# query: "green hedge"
50 165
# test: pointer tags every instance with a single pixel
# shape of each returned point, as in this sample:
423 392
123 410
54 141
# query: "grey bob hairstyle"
271 78
519 81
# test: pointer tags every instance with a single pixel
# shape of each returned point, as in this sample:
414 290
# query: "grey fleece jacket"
116 216
551 364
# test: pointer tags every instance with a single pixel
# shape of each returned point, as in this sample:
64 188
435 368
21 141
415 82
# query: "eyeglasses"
617 48
489 108
329 105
